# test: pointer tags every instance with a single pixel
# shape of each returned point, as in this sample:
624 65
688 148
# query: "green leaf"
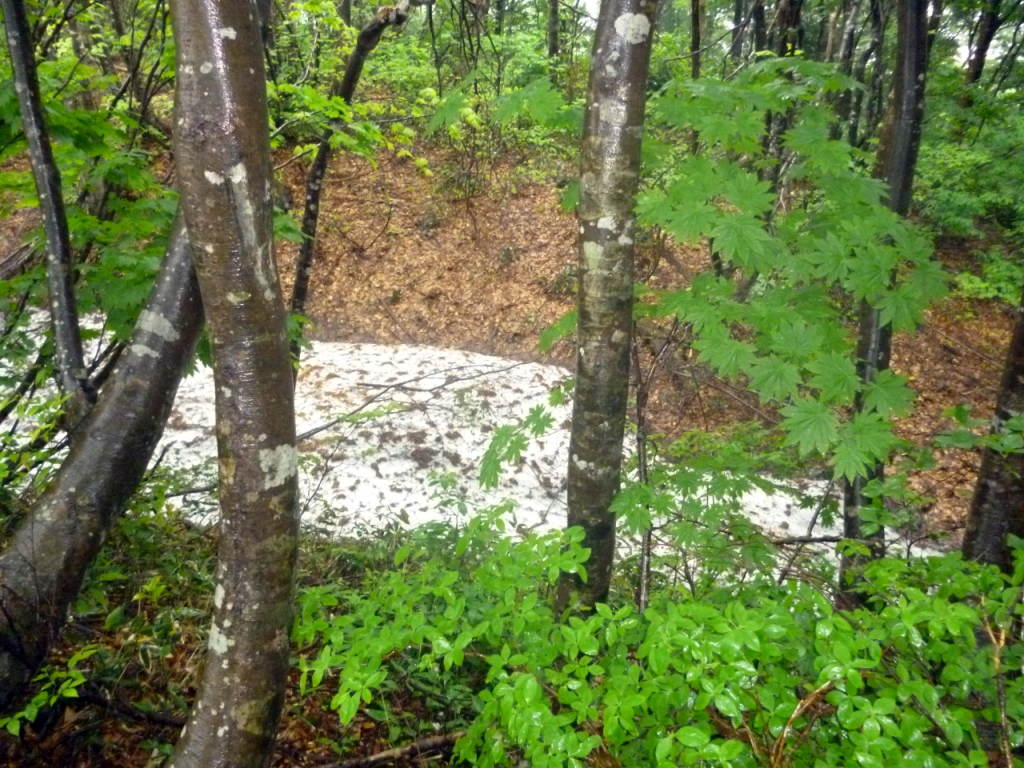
835 377
689 736
448 112
888 393
562 328
812 426
774 379
724 353
864 441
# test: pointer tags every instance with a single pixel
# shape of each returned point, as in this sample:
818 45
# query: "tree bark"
67 340
42 568
696 12
997 507
554 23
897 159
367 40
222 150
610 169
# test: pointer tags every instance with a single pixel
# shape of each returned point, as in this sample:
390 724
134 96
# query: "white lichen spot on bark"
610 71
221 731
228 33
141 350
606 222
208 248
593 253
625 239
207 67
612 112
237 298
278 464
213 177
158 325
581 465
238 173
218 596
633 27
188 69
219 642
225 391
618 337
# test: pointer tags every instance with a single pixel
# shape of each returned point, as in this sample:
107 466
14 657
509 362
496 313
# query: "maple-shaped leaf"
828 256
690 223
863 442
887 394
796 340
742 240
835 377
929 280
811 426
871 270
725 354
774 379
653 208
744 190
448 112
903 307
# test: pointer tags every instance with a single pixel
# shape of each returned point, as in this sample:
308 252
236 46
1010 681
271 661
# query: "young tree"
609 174
897 158
42 567
64 316
997 507
222 151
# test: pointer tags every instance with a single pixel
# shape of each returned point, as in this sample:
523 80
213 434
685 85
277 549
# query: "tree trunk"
367 40
610 169
897 158
222 150
67 340
997 508
760 26
695 42
42 568
554 23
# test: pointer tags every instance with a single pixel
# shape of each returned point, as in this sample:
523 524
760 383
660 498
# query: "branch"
428 744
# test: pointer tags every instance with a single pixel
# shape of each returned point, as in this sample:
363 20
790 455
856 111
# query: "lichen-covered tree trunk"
42 567
222 151
897 158
554 26
67 340
997 508
609 172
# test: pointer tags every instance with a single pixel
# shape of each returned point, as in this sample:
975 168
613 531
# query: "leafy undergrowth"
444 637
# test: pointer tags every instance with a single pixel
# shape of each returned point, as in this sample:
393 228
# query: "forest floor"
406 258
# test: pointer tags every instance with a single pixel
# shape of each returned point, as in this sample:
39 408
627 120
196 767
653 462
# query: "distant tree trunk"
610 170
897 158
736 47
345 12
695 43
788 26
554 23
222 150
987 26
878 17
71 374
997 508
367 40
42 568
760 26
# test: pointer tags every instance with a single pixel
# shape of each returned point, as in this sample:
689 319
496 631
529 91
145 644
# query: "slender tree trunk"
760 26
367 40
610 170
71 374
897 158
997 507
222 150
42 568
736 47
696 14
554 22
